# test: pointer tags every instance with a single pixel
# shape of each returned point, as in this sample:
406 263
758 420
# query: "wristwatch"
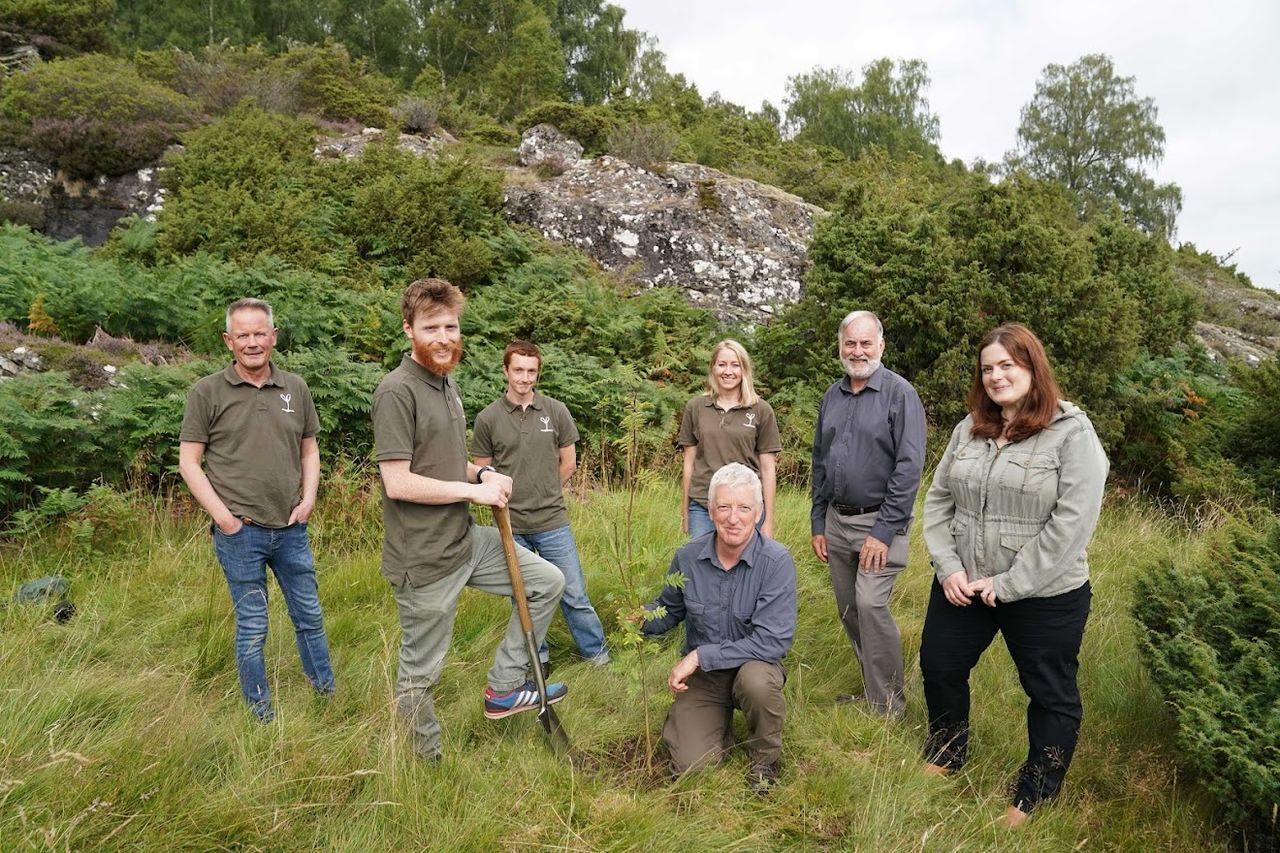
482 471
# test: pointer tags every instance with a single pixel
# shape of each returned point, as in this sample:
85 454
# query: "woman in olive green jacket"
1012 507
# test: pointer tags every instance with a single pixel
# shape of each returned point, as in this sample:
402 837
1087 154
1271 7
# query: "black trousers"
1043 636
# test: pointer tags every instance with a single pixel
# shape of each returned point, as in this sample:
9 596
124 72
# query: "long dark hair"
1039 407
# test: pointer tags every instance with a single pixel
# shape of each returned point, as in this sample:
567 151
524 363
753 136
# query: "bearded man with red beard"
432 548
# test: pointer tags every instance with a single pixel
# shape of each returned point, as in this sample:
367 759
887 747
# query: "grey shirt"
868 448
731 617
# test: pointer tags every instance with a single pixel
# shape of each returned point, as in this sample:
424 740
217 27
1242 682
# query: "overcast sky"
1213 69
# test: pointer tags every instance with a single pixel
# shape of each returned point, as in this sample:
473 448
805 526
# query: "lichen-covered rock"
733 245
1226 342
352 145
544 143
23 178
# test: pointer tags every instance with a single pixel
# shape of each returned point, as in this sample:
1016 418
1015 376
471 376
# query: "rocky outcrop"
63 208
544 145
733 245
1226 342
353 144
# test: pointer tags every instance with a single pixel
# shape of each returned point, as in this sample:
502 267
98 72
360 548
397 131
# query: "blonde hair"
747 390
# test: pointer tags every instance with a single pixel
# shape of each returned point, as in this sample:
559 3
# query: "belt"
845 509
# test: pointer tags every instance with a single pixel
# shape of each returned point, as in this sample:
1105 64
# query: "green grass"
124 728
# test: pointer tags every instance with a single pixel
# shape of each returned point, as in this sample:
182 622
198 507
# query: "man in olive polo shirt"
530 437
248 454
431 548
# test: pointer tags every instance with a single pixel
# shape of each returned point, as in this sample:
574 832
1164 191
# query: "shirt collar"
235 378
749 555
435 380
515 407
711 404
874 381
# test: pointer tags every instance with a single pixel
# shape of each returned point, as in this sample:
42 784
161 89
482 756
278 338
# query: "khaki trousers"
699 727
862 601
426 626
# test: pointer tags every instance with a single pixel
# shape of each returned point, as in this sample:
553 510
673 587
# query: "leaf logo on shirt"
546 424
751 416
287 398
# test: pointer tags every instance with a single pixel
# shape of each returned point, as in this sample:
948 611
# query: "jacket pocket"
1032 473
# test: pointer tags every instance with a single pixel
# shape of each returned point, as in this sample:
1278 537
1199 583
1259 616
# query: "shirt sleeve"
566 429
195 417
482 436
818 477
773 623
393 425
939 510
768 439
1064 537
310 420
671 598
900 492
688 436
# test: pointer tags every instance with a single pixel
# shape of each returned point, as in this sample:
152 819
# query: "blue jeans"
559 548
700 520
245 557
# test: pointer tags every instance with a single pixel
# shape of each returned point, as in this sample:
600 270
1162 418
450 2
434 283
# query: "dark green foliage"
1212 637
343 392
943 263
1254 440
248 186
334 86
1179 411
60 26
46 438
589 126
95 115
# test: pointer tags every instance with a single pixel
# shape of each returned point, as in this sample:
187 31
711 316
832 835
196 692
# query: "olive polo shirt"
739 434
525 445
252 440
418 416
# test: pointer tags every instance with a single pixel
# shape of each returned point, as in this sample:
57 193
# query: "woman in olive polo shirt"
729 423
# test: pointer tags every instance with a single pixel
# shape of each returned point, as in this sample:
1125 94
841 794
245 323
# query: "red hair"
520 348
1038 408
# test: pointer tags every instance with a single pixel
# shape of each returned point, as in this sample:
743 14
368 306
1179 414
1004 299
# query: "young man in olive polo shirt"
431 547
248 453
530 437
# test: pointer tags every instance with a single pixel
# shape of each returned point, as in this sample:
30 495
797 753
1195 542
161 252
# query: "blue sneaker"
522 698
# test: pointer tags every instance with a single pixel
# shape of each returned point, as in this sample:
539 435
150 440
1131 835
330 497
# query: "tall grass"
124 727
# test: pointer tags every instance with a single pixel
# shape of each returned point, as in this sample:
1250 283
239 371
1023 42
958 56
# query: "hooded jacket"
1023 513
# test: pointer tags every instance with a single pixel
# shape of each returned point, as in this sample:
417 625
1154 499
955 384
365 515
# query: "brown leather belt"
845 509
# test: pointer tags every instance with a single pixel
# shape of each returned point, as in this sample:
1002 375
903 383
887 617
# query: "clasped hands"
959 590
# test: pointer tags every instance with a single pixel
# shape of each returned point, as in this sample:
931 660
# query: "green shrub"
95 115
944 259
1254 440
61 26
1211 633
334 86
590 126
486 131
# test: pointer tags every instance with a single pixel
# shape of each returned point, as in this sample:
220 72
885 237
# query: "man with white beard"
868 455
432 548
